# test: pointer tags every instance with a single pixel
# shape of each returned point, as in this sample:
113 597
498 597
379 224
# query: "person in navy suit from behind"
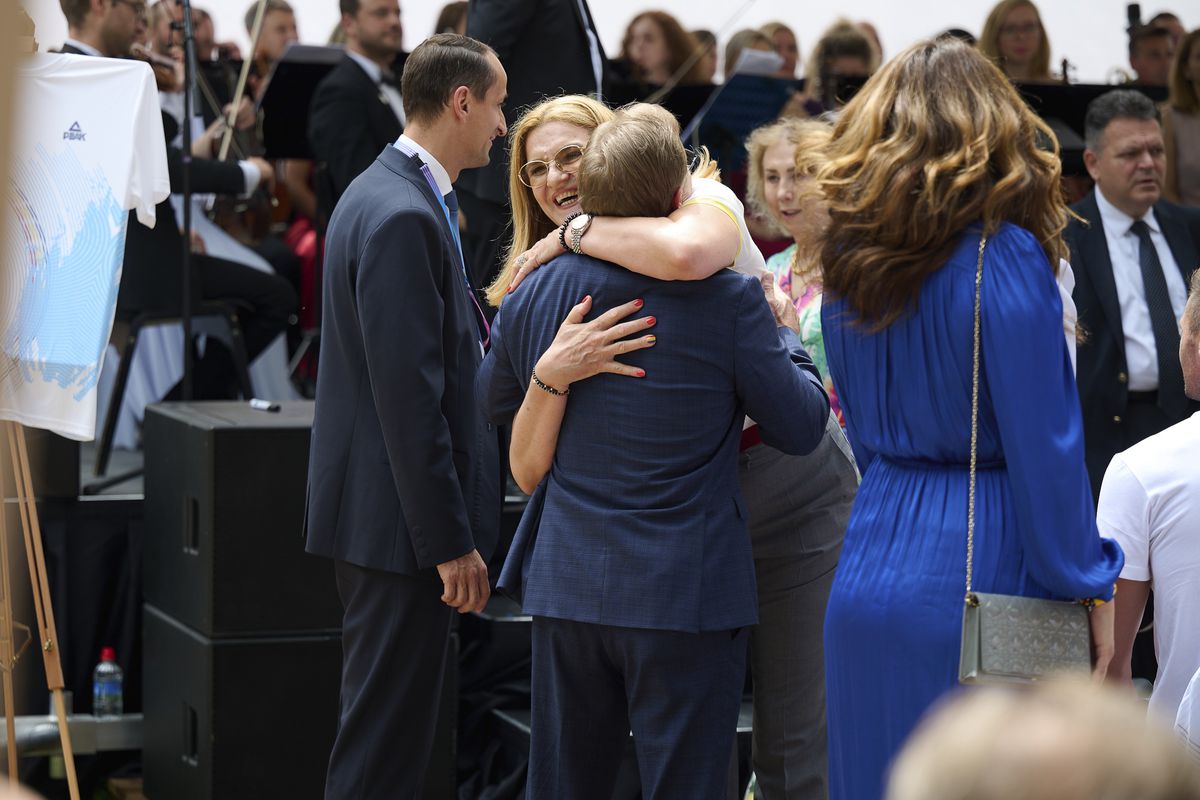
640 577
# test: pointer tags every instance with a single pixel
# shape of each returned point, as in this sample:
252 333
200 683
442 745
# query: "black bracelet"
545 387
562 230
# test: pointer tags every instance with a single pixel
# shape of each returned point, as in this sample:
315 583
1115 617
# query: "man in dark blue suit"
403 472
640 577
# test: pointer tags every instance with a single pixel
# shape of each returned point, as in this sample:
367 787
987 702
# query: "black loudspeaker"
224 552
237 717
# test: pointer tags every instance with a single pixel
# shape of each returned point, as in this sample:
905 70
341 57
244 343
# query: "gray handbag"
1009 638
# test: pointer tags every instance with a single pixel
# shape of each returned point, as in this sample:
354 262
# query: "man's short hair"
272 5
75 11
1191 312
633 165
1117 104
437 67
348 7
1144 34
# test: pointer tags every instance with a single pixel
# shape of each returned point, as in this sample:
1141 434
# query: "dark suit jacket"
349 122
642 522
1102 374
403 471
543 46
150 277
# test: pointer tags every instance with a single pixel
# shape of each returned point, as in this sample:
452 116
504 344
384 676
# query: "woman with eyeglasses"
1015 40
792 501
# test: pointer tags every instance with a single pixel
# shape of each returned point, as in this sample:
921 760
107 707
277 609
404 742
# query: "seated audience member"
452 18
1058 740
740 42
1165 19
1150 503
1151 52
655 47
608 657
783 40
708 62
1181 125
1132 261
843 51
1014 38
356 110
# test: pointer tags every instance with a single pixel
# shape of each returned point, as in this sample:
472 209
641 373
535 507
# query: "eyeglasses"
1025 29
534 173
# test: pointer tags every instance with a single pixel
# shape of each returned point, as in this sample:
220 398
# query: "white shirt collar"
1117 221
373 70
440 176
86 48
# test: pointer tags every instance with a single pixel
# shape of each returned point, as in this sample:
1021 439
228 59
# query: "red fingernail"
641 373
586 297
637 303
650 321
510 288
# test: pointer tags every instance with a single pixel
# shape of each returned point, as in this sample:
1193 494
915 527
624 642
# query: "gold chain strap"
970 598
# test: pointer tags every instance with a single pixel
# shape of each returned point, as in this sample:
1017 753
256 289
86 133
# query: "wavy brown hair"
937 140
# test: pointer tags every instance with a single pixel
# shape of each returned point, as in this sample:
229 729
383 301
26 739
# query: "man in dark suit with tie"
357 108
1132 259
151 278
548 47
403 481
640 578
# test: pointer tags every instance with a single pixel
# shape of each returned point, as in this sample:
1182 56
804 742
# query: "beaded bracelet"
545 387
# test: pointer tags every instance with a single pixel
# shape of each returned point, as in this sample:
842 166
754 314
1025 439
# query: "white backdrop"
1090 33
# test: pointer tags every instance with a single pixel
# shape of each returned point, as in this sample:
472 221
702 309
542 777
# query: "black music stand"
740 105
285 104
289 91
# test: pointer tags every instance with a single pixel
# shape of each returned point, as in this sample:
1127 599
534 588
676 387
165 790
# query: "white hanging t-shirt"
87 148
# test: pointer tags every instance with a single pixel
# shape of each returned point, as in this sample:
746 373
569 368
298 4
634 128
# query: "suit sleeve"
497 386
778 384
1026 372
400 294
339 133
500 23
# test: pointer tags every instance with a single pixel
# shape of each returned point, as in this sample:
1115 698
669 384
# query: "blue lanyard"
450 223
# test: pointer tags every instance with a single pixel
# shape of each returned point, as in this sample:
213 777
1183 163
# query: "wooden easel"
47 635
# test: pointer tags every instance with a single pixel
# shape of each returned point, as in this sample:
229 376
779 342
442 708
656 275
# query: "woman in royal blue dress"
936 150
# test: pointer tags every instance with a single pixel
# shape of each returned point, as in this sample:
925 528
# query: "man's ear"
460 102
678 198
1091 162
100 7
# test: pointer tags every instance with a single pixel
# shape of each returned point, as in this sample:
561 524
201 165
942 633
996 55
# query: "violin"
168 72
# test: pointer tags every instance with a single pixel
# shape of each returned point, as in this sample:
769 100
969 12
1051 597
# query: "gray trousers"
799 507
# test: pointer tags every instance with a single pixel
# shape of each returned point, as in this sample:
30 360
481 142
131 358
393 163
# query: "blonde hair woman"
935 153
782 159
797 505
1015 40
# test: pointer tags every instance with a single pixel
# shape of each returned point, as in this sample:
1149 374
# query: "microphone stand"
189 84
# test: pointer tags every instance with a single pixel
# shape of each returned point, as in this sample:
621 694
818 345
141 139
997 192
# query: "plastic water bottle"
108 696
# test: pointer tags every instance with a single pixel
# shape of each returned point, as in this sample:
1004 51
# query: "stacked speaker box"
242 649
